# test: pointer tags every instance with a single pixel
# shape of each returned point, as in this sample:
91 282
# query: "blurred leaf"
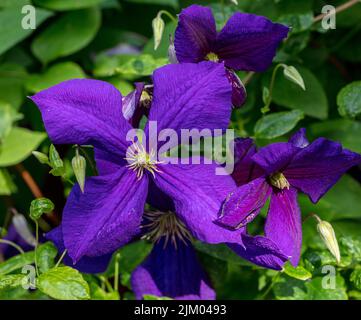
355 278
54 75
97 293
13 3
292 74
66 4
71 32
276 124
313 101
123 86
349 100
17 262
171 3
64 283
151 297
18 145
7 117
299 272
297 22
11 30
7 186
347 132
11 281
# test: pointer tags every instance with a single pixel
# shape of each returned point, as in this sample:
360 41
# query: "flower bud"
22 228
235 2
329 238
158 28
55 162
172 56
3 232
79 166
42 158
40 206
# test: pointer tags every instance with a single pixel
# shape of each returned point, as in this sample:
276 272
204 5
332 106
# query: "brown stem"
339 9
35 190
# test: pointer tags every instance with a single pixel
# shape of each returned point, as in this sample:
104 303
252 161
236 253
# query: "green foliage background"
112 40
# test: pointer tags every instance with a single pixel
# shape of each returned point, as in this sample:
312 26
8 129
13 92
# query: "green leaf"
355 278
11 281
292 74
152 297
298 22
13 3
349 100
347 132
18 145
40 206
313 101
62 5
341 202
11 30
299 272
71 32
46 254
7 186
64 283
171 3
7 117
97 293
16 262
55 74
57 164
276 124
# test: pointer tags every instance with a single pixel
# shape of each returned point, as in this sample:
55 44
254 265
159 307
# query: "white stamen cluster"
165 224
139 160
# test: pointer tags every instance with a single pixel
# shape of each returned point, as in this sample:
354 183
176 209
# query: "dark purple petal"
245 169
249 42
85 264
275 157
158 199
104 217
107 163
195 34
260 251
84 112
316 168
299 139
191 96
239 93
172 272
244 204
131 101
284 225
198 194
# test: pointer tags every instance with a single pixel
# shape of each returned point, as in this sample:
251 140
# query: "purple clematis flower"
247 42
287 167
108 214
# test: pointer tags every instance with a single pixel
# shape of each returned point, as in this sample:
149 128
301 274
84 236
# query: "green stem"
273 281
107 284
36 247
61 258
89 160
266 108
116 273
12 244
168 14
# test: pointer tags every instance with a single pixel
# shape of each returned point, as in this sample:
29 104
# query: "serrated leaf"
349 100
46 254
18 145
11 281
292 74
70 33
299 272
62 5
54 75
355 278
64 283
276 124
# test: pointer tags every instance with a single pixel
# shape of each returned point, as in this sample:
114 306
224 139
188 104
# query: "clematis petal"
85 264
195 34
107 163
131 101
283 223
275 157
260 251
244 204
248 42
239 93
299 139
198 193
172 272
316 168
84 111
104 217
189 96
245 169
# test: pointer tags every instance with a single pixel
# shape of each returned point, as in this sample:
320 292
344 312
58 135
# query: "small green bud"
42 157
158 28
329 238
79 166
279 181
55 162
3 232
235 2
40 206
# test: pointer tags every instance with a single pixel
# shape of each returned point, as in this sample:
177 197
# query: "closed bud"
42 158
329 238
79 166
235 2
40 206
22 228
158 28
3 232
55 162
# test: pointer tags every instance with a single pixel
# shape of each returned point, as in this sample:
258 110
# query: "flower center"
212 57
165 224
139 160
279 181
